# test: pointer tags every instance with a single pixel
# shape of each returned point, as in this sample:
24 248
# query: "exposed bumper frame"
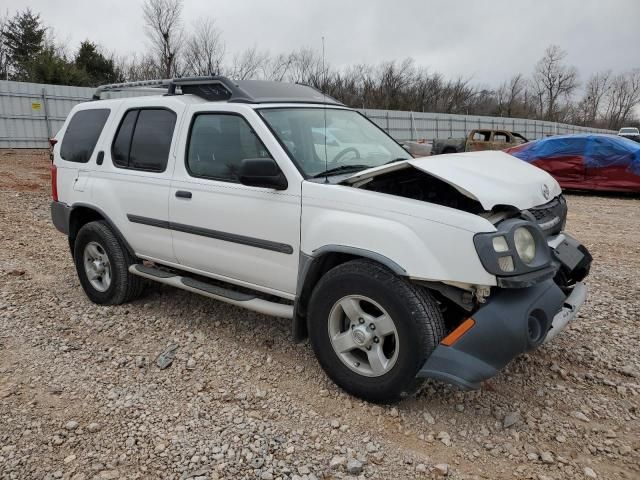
569 310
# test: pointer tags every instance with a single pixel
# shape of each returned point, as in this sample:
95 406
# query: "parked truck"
480 139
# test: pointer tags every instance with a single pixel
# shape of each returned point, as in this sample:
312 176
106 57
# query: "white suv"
397 269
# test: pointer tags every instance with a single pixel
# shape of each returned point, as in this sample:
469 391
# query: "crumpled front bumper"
513 321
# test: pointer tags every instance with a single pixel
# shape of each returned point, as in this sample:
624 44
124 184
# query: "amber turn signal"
454 336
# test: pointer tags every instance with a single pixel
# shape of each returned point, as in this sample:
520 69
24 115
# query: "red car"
586 161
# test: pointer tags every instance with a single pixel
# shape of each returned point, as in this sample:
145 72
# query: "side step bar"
239 299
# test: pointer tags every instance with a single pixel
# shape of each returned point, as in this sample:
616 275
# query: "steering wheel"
342 153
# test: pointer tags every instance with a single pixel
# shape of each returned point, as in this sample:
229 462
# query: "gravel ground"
81 396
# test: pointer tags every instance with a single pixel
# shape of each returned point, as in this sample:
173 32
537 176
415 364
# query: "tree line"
551 91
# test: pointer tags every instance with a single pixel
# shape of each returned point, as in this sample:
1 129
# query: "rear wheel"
372 331
102 264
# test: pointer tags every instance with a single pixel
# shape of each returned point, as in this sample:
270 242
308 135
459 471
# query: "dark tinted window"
144 139
122 142
82 134
217 145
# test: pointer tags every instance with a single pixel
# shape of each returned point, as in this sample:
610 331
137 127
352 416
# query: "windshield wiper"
399 159
341 169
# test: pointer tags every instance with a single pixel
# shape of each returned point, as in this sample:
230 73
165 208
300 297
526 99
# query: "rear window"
143 140
82 134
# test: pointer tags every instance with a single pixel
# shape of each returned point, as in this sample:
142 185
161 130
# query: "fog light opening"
537 327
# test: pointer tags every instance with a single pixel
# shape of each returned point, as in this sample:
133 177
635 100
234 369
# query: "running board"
216 292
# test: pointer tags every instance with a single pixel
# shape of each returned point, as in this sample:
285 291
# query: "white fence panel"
31 113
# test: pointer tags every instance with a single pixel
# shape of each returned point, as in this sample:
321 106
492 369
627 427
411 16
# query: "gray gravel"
81 396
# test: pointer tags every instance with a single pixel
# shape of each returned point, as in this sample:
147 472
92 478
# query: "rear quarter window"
82 134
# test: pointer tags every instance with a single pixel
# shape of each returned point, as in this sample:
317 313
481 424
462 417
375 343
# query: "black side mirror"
262 172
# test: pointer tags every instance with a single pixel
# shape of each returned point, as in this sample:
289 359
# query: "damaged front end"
533 302
538 268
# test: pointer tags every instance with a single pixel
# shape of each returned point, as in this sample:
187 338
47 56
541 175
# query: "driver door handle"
183 194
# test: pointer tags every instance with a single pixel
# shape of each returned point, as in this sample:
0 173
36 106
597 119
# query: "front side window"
217 145
500 137
143 140
321 140
481 136
82 134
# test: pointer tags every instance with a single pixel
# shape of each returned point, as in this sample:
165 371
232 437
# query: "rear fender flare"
105 217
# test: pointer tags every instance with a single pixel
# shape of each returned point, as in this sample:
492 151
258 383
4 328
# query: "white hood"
490 177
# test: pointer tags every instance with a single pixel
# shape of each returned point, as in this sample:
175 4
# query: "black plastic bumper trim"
60 215
500 333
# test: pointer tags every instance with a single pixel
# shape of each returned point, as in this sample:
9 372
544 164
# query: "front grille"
550 217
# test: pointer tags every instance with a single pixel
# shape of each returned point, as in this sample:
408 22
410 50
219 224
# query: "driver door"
245 235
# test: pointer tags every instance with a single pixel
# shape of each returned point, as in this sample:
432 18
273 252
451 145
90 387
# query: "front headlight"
525 244
516 248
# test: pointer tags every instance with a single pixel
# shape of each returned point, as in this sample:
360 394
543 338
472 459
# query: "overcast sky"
486 40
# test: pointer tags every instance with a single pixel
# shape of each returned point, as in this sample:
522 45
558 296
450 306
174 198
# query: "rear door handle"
183 194
100 158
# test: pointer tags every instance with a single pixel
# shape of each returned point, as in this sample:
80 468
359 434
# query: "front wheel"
372 331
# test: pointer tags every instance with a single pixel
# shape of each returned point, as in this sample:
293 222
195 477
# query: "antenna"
324 109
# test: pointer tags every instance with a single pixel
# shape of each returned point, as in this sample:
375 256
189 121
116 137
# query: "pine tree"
24 37
98 68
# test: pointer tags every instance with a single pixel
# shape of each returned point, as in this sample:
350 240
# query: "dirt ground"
81 396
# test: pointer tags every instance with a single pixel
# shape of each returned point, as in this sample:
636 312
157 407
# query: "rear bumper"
512 322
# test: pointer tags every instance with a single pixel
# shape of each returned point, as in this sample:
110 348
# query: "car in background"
586 161
478 140
418 148
631 133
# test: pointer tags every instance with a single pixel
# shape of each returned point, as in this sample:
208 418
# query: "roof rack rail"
219 88
126 86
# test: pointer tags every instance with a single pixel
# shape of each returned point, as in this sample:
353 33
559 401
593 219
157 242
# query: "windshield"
629 130
348 143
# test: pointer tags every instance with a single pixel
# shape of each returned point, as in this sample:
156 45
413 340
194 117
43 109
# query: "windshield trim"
315 107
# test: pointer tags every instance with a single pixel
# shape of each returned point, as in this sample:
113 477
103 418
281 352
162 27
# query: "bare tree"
509 95
204 49
589 108
5 56
164 29
623 97
277 68
133 69
554 80
306 67
249 64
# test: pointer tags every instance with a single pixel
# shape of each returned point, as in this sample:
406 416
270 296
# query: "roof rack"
131 86
219 88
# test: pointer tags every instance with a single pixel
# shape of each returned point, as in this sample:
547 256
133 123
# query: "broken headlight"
525 244
518 247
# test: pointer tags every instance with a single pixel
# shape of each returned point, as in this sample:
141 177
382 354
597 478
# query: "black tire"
417 318
124 286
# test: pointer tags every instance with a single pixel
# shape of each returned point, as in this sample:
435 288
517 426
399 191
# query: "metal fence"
31 113
419 125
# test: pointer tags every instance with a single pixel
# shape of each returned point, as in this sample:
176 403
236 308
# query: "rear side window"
143 140
82 134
